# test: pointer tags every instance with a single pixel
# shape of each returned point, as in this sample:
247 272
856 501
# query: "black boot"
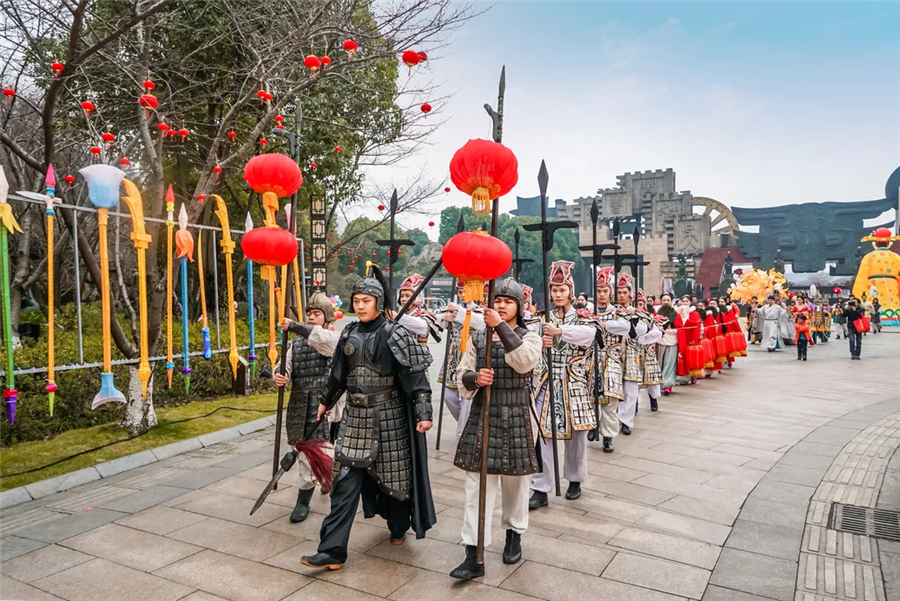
321 560
592 435
607 444
301 509
512 552
538 499
654 406
574 491
626 430
470 568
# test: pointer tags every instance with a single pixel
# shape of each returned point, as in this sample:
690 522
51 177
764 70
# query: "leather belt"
370 400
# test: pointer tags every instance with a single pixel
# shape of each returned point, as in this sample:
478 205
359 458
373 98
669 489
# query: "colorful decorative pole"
248 225
170 214
185 243
207 343
9 224
103 190
141 240
227 245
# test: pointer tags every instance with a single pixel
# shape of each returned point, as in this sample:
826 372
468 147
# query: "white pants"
628 407
609 420
574 462
305 476
653 391
514 503
459 408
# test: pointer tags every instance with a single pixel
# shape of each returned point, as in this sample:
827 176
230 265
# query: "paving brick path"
718 496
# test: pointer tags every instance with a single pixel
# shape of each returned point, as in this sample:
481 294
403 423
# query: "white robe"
770 316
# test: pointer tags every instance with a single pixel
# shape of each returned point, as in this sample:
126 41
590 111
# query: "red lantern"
57 68
279 119
172 132
837 290
201 197
267 96
411 59
95 150
426 108
232 135
69 179
431 224
422 56
374 255
447 189
273 173
124 161
88 106
148 84
217 170
149 102
337 149
263 141
312 63
9 93
108 137
325 62
351 47
380 207
184 133
270 246
162 127
312 165
485 170
261 94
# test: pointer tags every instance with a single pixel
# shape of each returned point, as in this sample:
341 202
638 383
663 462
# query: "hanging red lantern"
217 170
337 149
148 84
380 207
447 189
9 93
57 68
263 141
124 161
331 255
149 102
411 59
325 62
184 133
108 137
261 94
431 224
485 170
267 96
351 47
96 150
374 255
312 165
88 106
163 128
355 257
232 135
312 63
332 231
426 108
422 56
201 197
172 132
837 290
270 246
273 172
329 240
69 179
475 259
279 119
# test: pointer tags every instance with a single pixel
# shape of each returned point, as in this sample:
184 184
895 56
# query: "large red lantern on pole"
485 170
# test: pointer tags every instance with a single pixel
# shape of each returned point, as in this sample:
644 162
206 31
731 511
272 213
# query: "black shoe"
607 444
637 408
470 568
321 560
574 491
592 435
301 509
538 499
398 540
654 406
626 430
804 358
512 552
799 358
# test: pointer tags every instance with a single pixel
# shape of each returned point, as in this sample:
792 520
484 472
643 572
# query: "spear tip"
595 211
543 178
394 201
50 180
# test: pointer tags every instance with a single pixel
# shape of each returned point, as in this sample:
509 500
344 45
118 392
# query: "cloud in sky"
752 104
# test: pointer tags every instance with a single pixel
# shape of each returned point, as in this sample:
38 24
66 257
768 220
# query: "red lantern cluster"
273 172
485 170
263 95
148 100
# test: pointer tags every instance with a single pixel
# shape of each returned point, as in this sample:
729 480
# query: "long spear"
517 262
227 245
248 225
170 222
185 253
394 245
10 225
207 343
141 240
460 226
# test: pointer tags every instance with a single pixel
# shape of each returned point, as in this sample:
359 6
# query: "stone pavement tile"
817 448
713 464
616 472
628 490
562 554
69 526
321 590
247 488
231 508
13 546
144 499
801 459
610 507
13 589
256 544
431 585
262 472
706 510
773 540
702 492
675 548
596 528
761 464
101 580
675 437
13 521
362 572
740 484
176 448
756 574
717 593
14 496
890 570
770 489
663 469
248 460
233 578
201 596
133 548
651 454
201 477
659 575
305 530
123 464
449 528
794 474
49 486
556 584
685 526
832 435
771 512
754 452
43 562
161 519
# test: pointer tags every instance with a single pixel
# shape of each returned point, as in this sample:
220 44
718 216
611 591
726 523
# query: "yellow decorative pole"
141 240
170 214
227 245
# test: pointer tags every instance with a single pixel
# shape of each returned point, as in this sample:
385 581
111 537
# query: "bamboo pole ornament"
103 191
185 244
207 343
248 225
227 245
8 225
141 240
170 215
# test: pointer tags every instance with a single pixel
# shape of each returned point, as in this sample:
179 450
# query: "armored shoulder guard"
586 316
407 350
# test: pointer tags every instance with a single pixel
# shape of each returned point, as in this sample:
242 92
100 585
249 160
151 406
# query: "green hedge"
77 388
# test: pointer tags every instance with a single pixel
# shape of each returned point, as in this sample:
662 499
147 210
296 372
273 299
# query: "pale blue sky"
753 104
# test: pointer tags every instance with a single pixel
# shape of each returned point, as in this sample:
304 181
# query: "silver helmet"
510 288
320 301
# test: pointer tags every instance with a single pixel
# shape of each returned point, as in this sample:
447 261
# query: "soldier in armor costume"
571 335
380 452
307 369
613 326
511 456
643 332
417 320
652 372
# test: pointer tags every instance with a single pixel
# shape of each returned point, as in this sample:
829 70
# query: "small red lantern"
332 231
148 84
172 132
261 94
69 179
312 63
124 161
88 106
9 93
217 170
837 290
431 224
263 141
351 47
201 197
184 133
422 56
96 150
279 119
329 240
380 207
232 135
162 127
108 137
337 149
374 255
312 165
57 68
149 102
485 170
267 96
426 108
411 59
447 189
325 62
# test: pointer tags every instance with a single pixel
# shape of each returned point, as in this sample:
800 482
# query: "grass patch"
29 455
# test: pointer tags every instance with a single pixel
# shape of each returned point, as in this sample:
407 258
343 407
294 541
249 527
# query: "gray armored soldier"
380 452
307 369
511 453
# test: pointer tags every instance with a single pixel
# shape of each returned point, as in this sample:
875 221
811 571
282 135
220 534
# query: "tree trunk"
140 415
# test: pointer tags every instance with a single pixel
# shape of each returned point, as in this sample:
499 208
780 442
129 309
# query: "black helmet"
510 288
319 301
373 285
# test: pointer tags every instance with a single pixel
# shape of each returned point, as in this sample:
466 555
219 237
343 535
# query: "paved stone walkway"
721 495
